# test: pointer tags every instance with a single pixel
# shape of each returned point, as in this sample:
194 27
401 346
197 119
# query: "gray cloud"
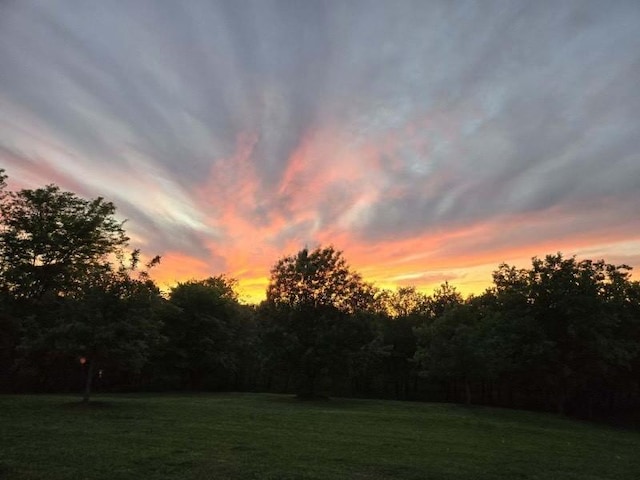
496 108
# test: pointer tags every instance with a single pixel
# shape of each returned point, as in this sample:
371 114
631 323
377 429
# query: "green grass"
247 436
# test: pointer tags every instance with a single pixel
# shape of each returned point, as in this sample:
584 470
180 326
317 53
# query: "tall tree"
449 348
51 239
110 320
313 315
403 310
71 283
444 298
317 279
569 324
204 332
403 302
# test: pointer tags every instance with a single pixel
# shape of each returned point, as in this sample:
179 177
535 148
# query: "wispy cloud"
421 138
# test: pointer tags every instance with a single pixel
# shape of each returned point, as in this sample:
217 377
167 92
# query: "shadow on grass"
624 420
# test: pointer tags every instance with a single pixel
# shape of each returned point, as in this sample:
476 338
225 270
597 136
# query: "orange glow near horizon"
176 267
390 265
246 227
311 206
472 279
324 195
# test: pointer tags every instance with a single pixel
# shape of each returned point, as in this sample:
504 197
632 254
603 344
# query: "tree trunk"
88 381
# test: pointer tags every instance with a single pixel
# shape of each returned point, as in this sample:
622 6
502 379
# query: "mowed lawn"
259 436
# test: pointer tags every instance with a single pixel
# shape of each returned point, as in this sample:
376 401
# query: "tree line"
78 310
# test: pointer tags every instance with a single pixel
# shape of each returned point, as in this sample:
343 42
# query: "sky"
429 141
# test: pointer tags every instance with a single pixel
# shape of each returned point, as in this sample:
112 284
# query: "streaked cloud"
428 140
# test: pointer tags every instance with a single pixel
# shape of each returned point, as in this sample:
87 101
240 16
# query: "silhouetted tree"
205 333
63 272
110 320
568 323
403 302
450 347
401 311
311 322
51 239
444 297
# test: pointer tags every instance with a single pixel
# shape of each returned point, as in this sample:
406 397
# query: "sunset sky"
427 140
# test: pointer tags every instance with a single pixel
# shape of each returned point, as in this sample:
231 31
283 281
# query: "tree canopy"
76 309
70 283
203 331
51 239
317 278
312 302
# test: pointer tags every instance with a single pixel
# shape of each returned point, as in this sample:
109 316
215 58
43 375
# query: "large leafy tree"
402 310
205 332
403 302
444 298
70 280
314 315
50 240
567 325
109 321
318 279
450 347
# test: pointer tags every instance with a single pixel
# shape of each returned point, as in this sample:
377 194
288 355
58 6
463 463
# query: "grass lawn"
259 436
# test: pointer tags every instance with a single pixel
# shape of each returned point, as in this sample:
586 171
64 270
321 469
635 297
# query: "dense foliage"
314 318
70 293
76 312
